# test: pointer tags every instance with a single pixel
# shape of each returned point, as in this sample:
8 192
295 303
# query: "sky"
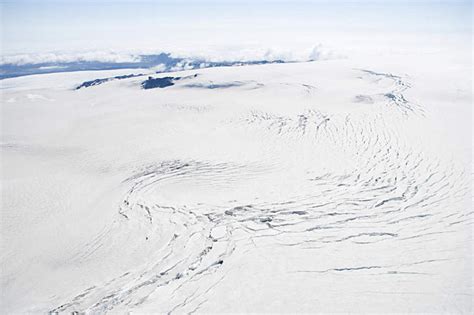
226 27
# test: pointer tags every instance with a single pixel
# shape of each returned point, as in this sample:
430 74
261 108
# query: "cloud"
57 57
232 53
159 68
189 56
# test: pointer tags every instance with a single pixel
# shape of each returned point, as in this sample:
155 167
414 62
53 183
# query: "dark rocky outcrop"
152 83
100 81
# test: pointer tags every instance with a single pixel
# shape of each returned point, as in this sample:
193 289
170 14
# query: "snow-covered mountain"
333 186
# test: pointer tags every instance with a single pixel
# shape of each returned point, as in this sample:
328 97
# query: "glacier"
325 186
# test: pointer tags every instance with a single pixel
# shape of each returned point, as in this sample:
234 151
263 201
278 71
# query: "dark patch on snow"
152 83
100 81
215 86
363 99
92 83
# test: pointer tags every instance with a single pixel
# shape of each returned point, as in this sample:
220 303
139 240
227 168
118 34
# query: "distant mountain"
164 60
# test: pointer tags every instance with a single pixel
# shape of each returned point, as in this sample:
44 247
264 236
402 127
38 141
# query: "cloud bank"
67 57
224 54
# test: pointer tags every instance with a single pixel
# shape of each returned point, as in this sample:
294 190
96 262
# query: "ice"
326 186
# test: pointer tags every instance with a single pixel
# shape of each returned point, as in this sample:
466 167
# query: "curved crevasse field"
309 187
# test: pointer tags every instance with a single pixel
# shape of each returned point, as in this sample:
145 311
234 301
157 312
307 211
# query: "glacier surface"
333 186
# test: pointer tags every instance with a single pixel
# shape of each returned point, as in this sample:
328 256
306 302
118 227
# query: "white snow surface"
330 186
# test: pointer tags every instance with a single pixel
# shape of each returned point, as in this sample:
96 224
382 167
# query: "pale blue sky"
40 26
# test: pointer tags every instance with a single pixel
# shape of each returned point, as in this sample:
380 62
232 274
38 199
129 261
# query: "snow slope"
335 186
